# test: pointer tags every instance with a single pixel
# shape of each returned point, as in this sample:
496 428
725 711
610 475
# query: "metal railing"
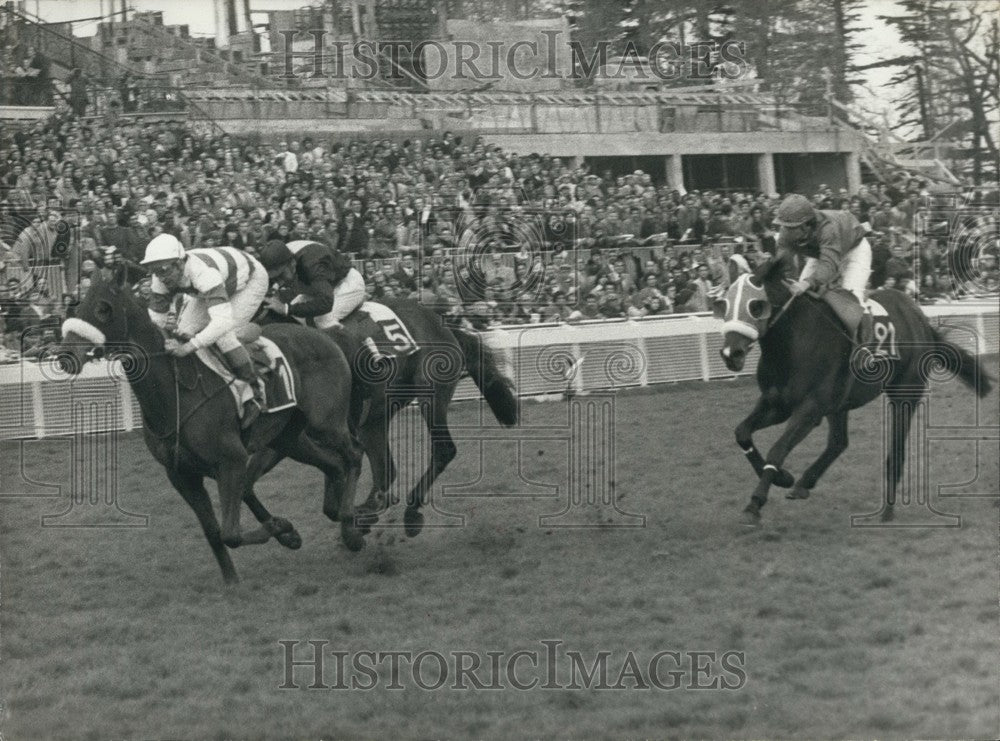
37 400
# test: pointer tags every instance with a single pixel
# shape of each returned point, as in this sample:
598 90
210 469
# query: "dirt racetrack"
843 632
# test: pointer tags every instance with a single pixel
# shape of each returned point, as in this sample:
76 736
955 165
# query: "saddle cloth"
848 310
396 338
273 368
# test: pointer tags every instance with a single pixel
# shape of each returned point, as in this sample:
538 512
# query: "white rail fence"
37 400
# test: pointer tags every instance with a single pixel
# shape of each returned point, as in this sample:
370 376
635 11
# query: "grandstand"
463 197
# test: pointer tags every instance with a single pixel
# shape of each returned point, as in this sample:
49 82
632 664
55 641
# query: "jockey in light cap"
224 288
834 246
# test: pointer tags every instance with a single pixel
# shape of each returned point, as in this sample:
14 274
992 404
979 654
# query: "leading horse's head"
101 321
747 310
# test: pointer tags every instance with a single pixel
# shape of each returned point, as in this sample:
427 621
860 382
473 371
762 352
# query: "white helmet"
163 247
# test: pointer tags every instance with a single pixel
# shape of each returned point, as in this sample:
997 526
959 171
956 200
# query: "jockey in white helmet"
224 287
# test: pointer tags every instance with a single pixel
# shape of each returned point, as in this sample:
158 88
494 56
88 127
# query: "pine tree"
950 81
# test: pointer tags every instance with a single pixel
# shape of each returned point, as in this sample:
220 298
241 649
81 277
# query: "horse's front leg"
803 419
231 476
766 413
189 485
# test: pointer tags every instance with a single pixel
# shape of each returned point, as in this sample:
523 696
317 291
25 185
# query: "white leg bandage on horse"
347 296
856 268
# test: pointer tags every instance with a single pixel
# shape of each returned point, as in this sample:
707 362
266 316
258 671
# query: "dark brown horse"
810 369
191 425
427 377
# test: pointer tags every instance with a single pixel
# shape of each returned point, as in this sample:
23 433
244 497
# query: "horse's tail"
496 388
969 370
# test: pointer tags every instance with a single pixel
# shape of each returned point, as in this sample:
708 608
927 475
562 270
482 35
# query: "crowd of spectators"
494 236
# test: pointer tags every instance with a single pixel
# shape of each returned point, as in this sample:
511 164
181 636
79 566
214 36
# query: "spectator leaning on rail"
834 246
225 288
315 283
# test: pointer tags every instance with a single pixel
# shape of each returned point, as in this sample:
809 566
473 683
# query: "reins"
827 319
178 421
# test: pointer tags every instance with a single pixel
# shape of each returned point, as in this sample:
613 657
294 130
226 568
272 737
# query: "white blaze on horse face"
743 295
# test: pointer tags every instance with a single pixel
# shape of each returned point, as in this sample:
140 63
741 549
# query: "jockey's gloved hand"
798 287
177 349
276 305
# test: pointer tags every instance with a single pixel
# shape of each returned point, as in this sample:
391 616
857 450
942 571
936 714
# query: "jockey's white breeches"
194 315
855 269
348 295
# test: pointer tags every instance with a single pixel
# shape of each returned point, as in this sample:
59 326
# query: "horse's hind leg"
281 529
901 409
338 456
764 414
836 443
443 452
190 486
375 440
802 421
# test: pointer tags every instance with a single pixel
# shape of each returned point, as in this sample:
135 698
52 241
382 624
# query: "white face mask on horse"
745 309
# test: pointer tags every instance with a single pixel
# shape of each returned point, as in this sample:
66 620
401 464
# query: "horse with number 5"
811 368
435 357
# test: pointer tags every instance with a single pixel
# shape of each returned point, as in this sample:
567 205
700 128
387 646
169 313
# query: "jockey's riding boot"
866 333
866 330
242 367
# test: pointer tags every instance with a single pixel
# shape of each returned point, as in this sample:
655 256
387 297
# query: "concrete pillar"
852 163
221 8
241 9
675 173
766 181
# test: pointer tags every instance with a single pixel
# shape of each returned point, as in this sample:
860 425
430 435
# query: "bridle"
178 421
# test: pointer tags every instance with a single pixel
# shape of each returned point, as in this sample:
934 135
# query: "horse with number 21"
191 425
810 368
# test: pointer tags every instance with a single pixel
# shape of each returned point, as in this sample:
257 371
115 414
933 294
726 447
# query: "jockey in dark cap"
834 249
316 284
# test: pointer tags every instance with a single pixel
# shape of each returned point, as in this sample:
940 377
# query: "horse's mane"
117 285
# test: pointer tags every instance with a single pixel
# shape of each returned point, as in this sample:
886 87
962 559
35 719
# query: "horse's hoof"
750 518
353 539
363 521
284 532
291 539
798 492
783 479
413 519
377 501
